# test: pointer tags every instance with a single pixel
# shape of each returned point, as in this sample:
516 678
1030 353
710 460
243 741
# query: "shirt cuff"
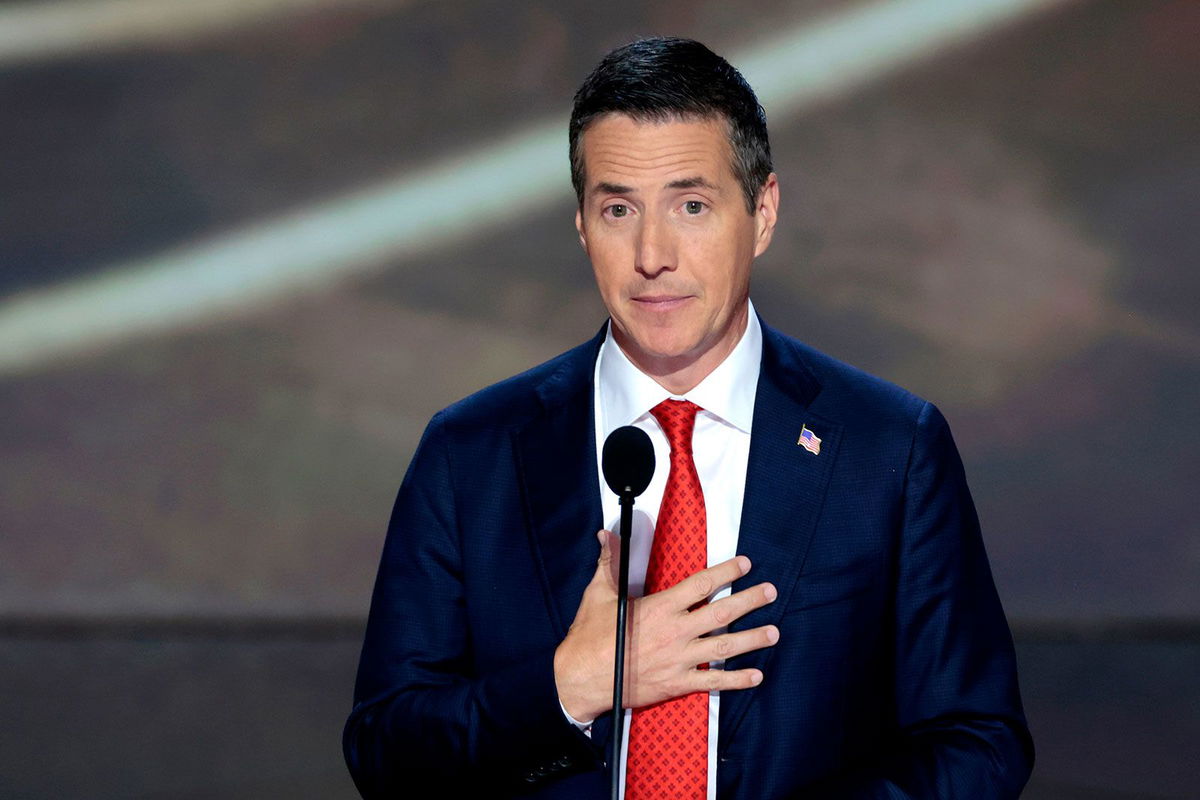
586 727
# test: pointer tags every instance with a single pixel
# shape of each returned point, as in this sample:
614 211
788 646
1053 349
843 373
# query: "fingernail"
772 635
770 593
743 564
756 678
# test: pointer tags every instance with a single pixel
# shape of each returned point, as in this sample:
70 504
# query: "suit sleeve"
425 715
961 729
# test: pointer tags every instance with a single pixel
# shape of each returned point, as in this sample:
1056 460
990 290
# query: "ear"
579 227
766 214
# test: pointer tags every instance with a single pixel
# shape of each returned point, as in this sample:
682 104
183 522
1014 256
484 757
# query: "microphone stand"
618 731
628 465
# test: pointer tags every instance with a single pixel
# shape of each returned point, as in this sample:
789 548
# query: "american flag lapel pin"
809 441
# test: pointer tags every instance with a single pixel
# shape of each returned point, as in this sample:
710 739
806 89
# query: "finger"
706 582
728 645
721 680
724 611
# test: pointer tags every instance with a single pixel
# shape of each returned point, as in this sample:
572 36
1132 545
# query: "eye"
693 207
617 210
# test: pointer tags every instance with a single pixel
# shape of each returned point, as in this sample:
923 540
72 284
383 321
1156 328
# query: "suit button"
563 762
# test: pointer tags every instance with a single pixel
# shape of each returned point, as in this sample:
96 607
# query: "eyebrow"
604 187
691 183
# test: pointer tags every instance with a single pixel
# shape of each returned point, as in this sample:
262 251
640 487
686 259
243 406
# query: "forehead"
619 149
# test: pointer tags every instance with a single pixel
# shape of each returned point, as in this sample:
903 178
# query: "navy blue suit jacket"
894 674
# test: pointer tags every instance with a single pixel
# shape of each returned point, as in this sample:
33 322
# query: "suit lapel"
785 489
557 457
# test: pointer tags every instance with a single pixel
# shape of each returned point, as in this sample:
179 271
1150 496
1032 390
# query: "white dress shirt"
624 395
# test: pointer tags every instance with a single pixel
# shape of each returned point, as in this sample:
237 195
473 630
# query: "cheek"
716 260
608 282
608 259
730 257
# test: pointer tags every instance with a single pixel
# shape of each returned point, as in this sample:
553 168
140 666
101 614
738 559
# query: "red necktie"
668 741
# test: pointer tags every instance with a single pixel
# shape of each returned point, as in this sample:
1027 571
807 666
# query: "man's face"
665 224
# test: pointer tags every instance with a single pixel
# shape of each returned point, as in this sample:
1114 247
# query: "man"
852 644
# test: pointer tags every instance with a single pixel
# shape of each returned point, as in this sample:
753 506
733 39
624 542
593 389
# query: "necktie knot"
678 420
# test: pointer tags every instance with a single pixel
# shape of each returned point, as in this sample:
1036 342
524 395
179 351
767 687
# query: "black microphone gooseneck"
628 463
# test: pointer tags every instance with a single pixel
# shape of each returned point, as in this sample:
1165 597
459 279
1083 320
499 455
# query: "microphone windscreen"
628 461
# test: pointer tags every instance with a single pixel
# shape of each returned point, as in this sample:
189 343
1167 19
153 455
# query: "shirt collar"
626 394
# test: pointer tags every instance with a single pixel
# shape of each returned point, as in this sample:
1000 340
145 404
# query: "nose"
655 247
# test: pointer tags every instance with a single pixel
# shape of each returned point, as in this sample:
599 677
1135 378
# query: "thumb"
606 564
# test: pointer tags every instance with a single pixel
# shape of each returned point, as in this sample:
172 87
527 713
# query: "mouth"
660 302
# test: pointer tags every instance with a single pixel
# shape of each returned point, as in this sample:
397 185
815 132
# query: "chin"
665 346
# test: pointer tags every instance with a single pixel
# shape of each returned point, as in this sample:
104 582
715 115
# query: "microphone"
628 465
628 461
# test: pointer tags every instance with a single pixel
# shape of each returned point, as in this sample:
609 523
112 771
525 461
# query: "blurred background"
249 247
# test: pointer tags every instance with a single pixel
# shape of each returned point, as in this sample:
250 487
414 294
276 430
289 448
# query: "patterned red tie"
668 742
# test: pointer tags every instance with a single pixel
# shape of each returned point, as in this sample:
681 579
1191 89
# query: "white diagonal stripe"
355 234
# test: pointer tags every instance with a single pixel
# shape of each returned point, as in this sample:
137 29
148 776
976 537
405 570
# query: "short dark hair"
666 78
